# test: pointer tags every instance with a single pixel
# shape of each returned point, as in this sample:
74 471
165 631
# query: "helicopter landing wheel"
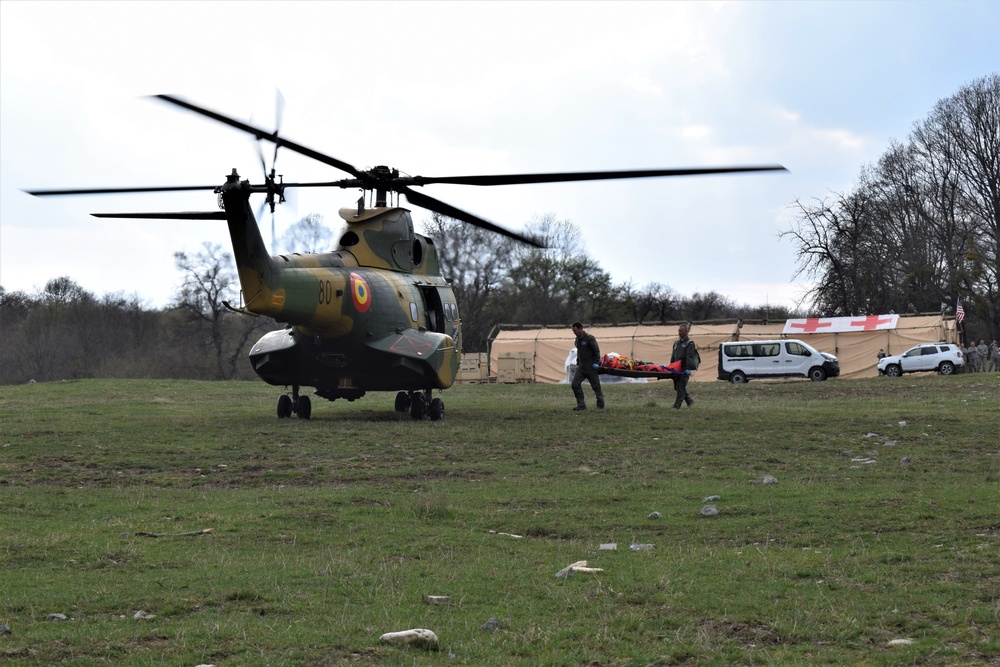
402 402
303 407
436 410
284 406
418 406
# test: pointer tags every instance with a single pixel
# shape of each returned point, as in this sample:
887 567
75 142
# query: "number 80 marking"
325 292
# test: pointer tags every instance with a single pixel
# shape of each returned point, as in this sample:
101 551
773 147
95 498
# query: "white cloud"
642 84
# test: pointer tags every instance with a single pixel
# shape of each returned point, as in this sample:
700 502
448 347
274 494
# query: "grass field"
884 524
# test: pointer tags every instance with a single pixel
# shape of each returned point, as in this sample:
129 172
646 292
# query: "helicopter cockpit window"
418 252
349 239
413 311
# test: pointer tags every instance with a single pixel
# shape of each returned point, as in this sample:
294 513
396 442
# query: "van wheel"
893 370
738 377
947 368
817 374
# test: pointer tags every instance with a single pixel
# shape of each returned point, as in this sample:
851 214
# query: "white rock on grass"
709 510
769 480
58 617
417 638
900 642
143 616
578 566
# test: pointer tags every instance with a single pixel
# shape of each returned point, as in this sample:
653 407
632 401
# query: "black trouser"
595 383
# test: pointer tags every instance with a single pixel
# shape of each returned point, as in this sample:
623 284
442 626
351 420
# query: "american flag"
959 311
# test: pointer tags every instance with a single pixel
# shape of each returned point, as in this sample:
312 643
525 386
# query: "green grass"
328 533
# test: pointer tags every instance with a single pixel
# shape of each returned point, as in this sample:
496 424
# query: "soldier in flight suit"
588 357
687 354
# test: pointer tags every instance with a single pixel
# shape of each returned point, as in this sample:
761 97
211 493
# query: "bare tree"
307 235
476 261
921 227
655 303
965 130
209 279
707 306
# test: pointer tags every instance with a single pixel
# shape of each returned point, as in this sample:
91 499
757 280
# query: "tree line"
920 230
64 332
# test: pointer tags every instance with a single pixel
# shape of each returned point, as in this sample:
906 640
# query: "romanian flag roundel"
360 294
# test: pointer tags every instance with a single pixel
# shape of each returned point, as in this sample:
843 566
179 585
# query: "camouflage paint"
352 324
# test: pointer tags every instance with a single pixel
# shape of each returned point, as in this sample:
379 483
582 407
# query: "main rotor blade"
279 112
262 134
169 215
178 188
438 206
106 191
559 177
263 162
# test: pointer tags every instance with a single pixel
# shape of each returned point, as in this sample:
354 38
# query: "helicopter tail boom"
253 262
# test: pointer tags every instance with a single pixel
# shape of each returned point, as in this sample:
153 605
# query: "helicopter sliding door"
434 309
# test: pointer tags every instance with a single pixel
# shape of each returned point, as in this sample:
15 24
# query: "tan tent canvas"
857 351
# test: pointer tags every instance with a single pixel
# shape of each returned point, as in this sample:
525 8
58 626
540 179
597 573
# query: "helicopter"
373 314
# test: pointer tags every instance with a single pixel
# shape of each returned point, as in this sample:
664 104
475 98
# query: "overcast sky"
449 88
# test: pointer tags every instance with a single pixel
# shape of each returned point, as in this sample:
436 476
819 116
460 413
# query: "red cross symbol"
812 325
871 322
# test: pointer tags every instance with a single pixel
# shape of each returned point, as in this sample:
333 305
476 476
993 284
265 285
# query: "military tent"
857 350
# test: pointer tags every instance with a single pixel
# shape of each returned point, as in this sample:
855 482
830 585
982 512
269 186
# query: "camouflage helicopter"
373 314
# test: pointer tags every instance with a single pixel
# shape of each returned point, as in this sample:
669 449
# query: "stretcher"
612 364
627 373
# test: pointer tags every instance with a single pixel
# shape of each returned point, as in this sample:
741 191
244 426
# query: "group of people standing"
982 358
588 360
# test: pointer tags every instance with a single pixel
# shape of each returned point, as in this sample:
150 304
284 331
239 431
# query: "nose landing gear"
300 405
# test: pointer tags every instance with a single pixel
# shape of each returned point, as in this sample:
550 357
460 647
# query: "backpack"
695 360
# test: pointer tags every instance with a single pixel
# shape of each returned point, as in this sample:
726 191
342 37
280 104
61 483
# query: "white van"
741 360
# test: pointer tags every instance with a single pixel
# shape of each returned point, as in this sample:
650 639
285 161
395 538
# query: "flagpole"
959 318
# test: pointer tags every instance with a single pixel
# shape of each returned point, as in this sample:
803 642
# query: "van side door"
768 359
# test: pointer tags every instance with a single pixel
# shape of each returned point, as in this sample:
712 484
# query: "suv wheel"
738 377
946 368
893 370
